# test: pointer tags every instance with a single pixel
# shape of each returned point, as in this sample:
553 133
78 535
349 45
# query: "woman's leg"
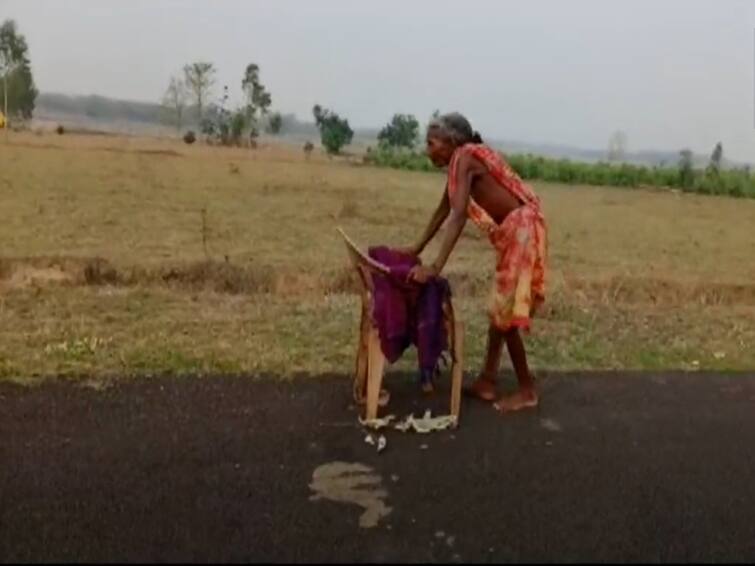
484 386
526 397
493 355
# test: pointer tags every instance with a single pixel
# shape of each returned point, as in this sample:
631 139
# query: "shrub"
308 149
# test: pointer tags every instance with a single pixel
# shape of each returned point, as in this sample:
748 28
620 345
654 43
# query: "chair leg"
457 369
375 366
360 379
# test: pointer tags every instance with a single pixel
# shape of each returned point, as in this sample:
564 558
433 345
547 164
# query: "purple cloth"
407 313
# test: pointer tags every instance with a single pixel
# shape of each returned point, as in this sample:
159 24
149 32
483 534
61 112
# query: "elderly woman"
483 187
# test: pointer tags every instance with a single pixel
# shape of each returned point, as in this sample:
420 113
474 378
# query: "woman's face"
439 150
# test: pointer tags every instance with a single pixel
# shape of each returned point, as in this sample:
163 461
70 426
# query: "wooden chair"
370 363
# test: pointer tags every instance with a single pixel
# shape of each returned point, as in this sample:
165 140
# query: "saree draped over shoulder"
520 241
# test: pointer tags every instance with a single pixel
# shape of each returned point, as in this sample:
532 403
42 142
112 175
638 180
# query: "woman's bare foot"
522 399
482 388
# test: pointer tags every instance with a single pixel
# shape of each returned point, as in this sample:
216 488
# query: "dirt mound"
644 290
164 152
19 273
254 278
219 276
226 277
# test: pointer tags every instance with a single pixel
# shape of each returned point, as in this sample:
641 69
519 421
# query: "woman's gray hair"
455 128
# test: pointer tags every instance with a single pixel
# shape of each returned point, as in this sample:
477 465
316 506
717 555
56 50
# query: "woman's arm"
468 170
436 221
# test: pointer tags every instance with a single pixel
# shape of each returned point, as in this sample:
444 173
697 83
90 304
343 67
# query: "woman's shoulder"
483 153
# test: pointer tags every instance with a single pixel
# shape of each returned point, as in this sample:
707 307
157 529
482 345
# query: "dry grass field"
127 256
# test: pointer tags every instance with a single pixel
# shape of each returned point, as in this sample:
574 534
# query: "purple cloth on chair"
408 313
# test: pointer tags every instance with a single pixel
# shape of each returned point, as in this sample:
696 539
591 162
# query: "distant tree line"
684 176
102 108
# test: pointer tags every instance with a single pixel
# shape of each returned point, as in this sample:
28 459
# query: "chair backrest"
364 264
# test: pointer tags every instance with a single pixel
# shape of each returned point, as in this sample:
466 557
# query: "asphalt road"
613 467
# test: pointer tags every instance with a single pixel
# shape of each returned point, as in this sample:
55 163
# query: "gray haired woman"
483 187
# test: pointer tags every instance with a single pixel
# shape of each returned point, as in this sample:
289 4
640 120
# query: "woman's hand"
422 273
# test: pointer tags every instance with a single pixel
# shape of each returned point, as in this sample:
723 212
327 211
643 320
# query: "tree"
216 123
258 99
174 102
335 131
19 92
224 126
237 126
617 146
275 123
402 131
200 78
715 159
257 95
686 172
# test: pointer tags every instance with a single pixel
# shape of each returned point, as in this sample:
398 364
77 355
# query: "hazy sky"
671 73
